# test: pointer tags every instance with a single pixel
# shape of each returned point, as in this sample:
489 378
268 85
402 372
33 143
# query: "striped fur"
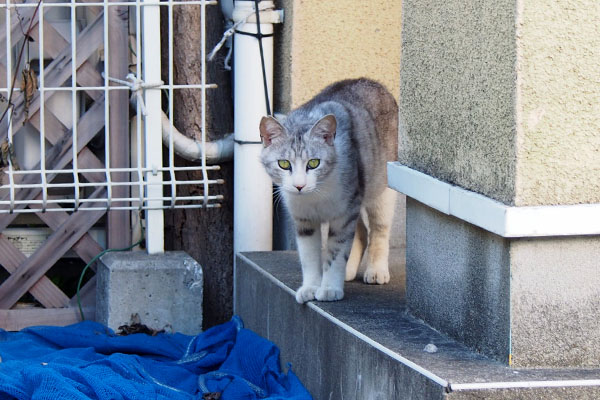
351 127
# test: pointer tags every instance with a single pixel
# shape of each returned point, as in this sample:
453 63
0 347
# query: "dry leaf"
29 85
7 153
4 153
136 326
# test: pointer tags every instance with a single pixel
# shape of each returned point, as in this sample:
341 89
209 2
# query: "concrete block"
535 300
368 347
457 279
555 301
165 290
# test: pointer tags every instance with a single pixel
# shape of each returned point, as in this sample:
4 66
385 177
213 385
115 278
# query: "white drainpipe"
216 151
227 9
253 191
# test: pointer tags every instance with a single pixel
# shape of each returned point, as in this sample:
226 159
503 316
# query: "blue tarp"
87 360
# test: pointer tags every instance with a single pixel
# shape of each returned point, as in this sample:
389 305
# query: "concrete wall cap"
492 215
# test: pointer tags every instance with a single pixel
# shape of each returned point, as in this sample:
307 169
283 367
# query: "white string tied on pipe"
226 35
229 32
136 86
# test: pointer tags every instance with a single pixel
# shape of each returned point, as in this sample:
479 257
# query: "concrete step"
368 346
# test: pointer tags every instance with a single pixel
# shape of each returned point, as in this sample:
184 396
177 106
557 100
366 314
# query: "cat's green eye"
284 164
313 163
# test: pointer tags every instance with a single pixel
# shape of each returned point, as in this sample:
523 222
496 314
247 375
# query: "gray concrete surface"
368 346
331 362
555 301
457 279
165 290
560 393
458 86
536 299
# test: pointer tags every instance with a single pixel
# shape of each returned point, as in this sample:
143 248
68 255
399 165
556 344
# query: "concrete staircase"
369 347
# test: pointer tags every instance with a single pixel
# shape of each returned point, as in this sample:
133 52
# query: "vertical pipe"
107 161
42 97
253 192
9 67
155 236
74 146
136 223
119 226
203 99
171 72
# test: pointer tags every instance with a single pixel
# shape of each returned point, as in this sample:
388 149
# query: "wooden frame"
70 230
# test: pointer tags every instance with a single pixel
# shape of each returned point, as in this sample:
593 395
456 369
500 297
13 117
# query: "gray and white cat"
329 160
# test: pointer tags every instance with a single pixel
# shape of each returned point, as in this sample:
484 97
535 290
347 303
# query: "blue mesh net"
87 360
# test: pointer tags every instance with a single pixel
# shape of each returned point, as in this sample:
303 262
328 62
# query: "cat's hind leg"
358 249
339 244
380 213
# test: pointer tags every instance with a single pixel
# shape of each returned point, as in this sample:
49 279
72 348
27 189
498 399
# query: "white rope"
229 32
136 86
226 63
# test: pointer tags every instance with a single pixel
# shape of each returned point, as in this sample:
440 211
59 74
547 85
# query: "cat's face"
298 158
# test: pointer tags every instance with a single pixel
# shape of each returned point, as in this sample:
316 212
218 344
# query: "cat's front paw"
305 293
329 293
378 276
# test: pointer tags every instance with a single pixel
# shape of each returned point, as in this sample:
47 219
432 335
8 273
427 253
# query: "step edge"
428 374
523 384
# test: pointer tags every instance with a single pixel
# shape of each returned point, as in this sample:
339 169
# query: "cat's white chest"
322 206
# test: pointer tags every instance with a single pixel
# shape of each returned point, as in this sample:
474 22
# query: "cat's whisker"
277 196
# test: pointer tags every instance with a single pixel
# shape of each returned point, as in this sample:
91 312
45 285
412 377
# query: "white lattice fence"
69 157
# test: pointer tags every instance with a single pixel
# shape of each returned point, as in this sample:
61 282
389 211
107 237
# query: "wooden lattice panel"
86 156
70 229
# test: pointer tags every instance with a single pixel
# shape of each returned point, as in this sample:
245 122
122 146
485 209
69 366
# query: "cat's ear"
270 128
325 129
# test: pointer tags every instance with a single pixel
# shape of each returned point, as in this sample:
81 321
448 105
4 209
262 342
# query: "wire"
259 36
10 105
93 260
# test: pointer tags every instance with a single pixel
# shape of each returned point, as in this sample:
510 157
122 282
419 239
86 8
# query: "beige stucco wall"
322 42
555 301
457 93
558 102
503 97
325 41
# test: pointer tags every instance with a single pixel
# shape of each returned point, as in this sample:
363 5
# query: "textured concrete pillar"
502 98
534 300
499 111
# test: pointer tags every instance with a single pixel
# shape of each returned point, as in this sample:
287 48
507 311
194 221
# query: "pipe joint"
244 11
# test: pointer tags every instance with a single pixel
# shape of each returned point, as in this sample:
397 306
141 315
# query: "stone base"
368 347
534 300
165 290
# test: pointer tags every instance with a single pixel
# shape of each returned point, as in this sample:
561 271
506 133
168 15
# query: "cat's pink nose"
299 187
